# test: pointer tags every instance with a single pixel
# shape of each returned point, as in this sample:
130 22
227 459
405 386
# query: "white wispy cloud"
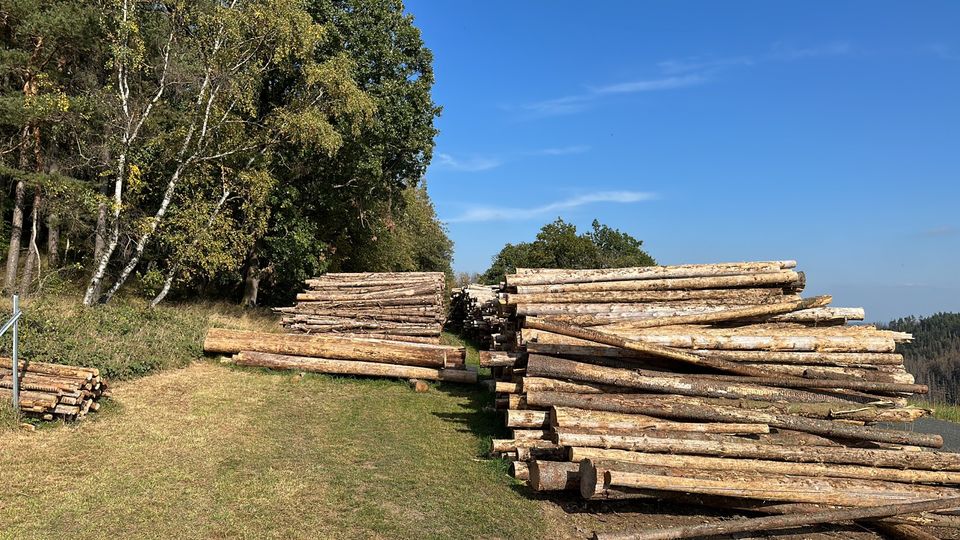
472 164
632 87
579 102
562 150
682 73
939 232
501 213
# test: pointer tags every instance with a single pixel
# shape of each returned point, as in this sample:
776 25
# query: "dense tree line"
214 147
934 355
558 245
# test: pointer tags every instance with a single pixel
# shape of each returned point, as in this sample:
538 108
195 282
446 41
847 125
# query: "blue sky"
826 132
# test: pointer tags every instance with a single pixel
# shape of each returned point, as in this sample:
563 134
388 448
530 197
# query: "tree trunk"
53 241
251 282
16 231
222 341
33 252
351 367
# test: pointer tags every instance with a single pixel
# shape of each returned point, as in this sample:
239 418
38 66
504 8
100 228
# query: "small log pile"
401 306
475 314
713 385
336 354
53 391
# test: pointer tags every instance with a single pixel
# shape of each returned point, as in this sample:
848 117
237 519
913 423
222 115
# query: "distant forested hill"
934 355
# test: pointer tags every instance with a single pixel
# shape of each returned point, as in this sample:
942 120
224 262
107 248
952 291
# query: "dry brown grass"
210 451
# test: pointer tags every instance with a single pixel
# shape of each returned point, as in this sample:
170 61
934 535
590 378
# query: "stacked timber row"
405 306
53 391
340 355
710 384
476 315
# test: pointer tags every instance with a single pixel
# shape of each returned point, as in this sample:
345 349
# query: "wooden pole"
768 523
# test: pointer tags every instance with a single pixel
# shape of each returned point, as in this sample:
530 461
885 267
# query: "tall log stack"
53 391
402 306
712 384
336 354
475 314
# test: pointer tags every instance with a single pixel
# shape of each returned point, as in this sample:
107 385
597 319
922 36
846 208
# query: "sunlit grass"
210 451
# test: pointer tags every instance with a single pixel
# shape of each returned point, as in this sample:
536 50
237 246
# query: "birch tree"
217 76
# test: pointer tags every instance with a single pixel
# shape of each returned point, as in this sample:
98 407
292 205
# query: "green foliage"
351 203
414 241
933 356
559 246
123 339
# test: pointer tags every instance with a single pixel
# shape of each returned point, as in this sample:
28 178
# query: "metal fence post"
16 359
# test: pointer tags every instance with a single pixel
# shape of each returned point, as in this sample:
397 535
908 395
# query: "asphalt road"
950 431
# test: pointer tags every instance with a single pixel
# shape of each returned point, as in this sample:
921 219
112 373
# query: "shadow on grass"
480 418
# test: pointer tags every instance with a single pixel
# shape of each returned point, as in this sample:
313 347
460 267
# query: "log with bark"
351 367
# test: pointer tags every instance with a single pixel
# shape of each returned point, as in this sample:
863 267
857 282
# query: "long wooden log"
824 339
764 357
733 296
545 276
814 316
225 341
783 278
769 523
351 367
801 489
527 419
554 475
732 313
766 466
571 419
675 407
639 346
520 470
896 459
545 366
498 359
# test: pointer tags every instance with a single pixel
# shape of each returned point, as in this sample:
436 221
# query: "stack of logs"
475 314
53 391
336 354
712 385
401 306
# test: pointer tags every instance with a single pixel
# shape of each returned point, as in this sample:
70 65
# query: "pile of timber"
53 391
340 355
402 306
475 314
714 385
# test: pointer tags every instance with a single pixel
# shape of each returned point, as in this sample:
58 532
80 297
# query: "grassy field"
211 451
943 411
198 449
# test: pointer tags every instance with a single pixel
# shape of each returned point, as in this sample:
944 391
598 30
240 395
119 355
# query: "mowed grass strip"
210 451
